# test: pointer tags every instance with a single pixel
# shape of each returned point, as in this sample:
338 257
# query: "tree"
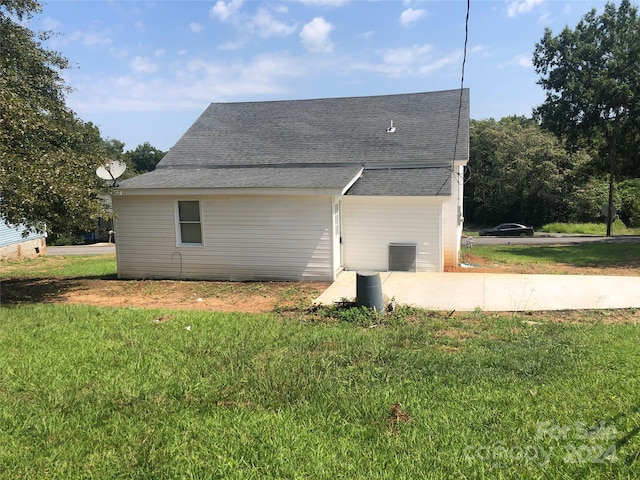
587 199
629 191
115 152
519 173
144 158
48 156
592 85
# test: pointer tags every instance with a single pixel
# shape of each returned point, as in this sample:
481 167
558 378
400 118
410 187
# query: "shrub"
629 191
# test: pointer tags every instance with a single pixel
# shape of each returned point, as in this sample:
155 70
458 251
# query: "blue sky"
144 70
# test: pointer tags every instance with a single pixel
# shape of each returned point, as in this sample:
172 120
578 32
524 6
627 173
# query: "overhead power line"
464 61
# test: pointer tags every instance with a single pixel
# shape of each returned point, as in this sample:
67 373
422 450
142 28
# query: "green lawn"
618 228
93 266
90 392
581 255
124 393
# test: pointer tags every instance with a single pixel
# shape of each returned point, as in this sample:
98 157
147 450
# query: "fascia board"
229 191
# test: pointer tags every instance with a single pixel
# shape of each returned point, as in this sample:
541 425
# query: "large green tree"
48 156
519 173
592 85
144 158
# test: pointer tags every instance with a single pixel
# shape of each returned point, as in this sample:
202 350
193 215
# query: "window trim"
178 223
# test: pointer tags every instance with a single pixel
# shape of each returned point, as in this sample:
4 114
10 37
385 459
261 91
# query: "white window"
189 223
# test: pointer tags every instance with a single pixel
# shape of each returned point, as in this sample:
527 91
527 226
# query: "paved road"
551 240
96 249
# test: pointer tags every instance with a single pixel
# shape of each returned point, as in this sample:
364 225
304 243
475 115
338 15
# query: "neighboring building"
14 245
301 189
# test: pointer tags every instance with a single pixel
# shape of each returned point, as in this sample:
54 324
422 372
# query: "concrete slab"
496 292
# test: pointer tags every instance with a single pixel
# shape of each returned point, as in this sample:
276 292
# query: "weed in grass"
348 312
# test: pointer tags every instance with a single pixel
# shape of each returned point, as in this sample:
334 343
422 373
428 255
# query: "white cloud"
231 45
91 38
143 65
315 35
325 3
523 61
119 53
160 52
263 23
266 26
52 24
225 10
410 16
191 84
415 61
406 56
454 58
195 27
516 7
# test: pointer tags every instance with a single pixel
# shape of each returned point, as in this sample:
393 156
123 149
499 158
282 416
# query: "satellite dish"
111 171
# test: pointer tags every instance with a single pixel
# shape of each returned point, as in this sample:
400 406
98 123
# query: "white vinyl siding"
453 215
245 238
370 224
15 246
11 234
337 226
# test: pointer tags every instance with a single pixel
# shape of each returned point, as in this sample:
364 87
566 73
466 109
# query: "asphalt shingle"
334 130
426 182
257 177
305 143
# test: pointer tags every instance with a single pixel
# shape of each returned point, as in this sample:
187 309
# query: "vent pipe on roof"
391 129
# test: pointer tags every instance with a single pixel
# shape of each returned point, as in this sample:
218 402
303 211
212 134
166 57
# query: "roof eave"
174 192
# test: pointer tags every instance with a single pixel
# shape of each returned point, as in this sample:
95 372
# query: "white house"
16 243
301 189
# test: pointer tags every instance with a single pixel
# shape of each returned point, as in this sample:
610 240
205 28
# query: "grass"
581 255
329 393
95 266
618 228
125 393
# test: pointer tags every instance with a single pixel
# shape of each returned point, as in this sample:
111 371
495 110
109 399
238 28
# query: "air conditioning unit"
402 257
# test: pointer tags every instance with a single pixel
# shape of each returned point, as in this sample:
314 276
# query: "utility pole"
613 160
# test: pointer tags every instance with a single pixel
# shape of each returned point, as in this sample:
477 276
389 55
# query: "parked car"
507 230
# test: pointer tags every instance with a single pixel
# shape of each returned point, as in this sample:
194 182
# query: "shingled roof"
431 131
405 182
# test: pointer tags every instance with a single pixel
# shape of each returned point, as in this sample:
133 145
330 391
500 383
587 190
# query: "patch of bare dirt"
249 297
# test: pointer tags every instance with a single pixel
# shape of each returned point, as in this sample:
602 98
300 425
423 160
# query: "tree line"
520 172
578 154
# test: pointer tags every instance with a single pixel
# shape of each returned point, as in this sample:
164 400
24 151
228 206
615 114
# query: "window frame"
179 222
